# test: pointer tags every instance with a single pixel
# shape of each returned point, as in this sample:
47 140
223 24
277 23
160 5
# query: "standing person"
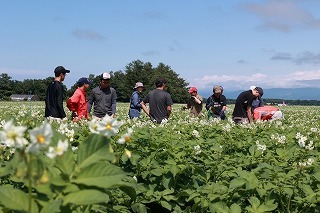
135 100
77 103
217 104
242 112
195 102
103 97
160 102
55 94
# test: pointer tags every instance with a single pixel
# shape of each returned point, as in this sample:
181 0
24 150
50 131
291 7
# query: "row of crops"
185 165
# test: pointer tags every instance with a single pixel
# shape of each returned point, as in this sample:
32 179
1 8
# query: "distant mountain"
276 93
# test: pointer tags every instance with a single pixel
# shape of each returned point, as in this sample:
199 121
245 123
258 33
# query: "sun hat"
138 84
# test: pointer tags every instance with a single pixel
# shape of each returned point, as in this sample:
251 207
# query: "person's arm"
59 96
249 113
144 107
224 103
197 100
72 104
135 100
114 104
90 101
169 110
208 103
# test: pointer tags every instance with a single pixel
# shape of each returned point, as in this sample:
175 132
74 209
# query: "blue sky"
234 43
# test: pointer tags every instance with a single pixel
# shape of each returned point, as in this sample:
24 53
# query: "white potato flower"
197 149
59 150
126 137
12 136
195 133
108 126
40 137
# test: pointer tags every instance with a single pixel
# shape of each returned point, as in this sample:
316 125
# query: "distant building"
24 97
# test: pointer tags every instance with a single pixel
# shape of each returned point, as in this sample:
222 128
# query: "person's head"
160 82
193 91
217 90
139 87
83 82
60 72
256 91
105 80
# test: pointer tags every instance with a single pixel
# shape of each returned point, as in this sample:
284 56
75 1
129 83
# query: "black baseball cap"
61 69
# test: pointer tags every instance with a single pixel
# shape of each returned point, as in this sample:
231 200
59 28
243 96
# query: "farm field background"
185 165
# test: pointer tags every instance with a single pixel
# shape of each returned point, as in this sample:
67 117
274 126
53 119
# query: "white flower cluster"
197 149
40 138
107 126
302 142
280 139
261 147
196 134
309 162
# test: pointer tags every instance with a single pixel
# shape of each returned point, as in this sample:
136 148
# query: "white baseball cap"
105 76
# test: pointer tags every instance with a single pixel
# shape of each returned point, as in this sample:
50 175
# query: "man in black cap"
242 112
160 102
55 93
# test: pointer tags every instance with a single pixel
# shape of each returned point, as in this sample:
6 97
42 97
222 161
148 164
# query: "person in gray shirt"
160 102
103 98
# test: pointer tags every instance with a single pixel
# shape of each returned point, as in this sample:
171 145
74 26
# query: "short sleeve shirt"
244 100
158 101
218 103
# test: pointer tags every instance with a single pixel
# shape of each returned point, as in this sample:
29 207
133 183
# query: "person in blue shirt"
135 100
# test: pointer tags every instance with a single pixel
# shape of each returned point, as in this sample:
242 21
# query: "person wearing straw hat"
135 100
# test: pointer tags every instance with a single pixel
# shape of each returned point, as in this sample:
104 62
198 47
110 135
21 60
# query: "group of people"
249 104
102 99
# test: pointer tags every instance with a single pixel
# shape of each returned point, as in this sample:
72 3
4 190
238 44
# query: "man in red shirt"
77 103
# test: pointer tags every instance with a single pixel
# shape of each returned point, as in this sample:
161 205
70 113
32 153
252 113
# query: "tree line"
122 81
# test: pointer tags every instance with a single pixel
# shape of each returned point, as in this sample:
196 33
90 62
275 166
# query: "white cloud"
282 15
309 78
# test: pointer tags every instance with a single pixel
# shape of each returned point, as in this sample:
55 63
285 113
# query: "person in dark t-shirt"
160 102
242 110
216 104
55 93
